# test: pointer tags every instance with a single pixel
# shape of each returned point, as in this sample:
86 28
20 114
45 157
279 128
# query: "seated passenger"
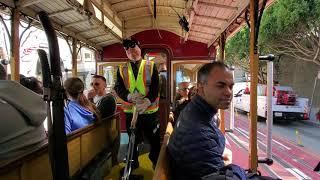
22 115
182 99
32 83
192 92
99 85
196 145
79 111
162 80
3 73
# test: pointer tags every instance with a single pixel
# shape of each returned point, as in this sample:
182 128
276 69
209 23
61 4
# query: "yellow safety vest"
140 84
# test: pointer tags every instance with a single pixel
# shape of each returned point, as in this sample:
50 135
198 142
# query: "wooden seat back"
83 145
162 170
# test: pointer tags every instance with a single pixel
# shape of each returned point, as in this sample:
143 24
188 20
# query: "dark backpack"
235 172
230 172
257 176
107 106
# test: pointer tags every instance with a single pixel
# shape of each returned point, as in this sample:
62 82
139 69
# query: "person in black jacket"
139 87
197 146
3 73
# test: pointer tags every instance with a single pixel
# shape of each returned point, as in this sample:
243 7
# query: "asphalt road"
291 130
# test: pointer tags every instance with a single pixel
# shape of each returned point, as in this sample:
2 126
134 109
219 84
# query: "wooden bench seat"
83 145
162 170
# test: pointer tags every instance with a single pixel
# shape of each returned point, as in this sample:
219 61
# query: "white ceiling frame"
142 7
193 36
31 13
76 23
120 2
242 5
94 37
104 42
222 6
212 18
201 32
88 30
113 17
191 17
150 15
60 12
146 28
206 26
27 3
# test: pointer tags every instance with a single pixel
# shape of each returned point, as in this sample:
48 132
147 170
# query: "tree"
288 27
292 28
237 50
237 54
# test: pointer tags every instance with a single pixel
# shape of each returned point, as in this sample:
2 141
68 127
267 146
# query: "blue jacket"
76 116
196 144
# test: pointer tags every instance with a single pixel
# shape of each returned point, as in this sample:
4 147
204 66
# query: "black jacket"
196 144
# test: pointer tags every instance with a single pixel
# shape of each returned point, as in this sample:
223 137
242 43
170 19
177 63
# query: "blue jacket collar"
204 106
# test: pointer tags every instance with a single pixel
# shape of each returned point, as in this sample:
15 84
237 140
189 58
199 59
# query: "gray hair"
205 70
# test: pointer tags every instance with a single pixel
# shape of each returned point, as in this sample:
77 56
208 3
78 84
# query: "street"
295 154
309 135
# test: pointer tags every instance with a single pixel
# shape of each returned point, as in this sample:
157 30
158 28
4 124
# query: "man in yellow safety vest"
138 85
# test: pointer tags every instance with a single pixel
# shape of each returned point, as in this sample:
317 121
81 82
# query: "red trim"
149 39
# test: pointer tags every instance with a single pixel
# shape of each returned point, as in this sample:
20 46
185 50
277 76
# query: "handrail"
57 136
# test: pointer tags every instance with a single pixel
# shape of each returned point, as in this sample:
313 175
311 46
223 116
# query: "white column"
269 108
231 127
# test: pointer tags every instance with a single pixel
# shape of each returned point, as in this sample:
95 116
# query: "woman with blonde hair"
79 111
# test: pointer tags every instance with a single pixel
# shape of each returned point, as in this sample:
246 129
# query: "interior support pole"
254 57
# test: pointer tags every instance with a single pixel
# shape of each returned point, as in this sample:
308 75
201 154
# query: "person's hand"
182 100
171 117
134 97
142 105
91 94
227 156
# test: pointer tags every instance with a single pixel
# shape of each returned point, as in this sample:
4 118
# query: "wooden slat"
36 168
92 143
35 164
74 152
12 175
221 6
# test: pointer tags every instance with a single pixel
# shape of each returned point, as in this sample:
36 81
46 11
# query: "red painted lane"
294 157
239 155
277 168
297 157
287 156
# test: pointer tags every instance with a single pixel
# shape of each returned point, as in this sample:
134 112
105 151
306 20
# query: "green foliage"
286 18
288 27
237 49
